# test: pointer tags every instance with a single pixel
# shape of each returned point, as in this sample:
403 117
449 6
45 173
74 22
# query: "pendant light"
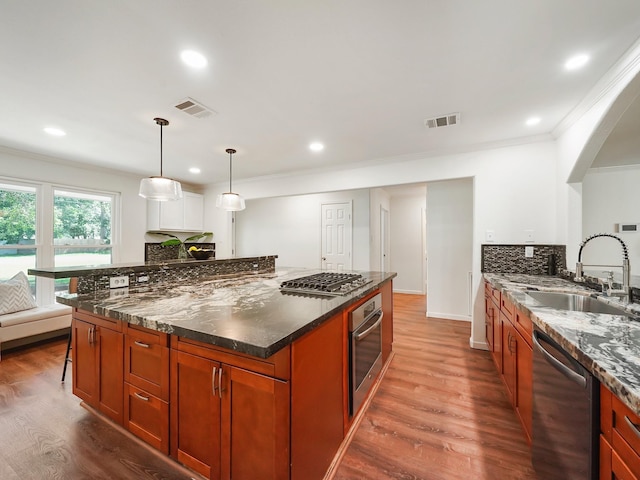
160 188
230 201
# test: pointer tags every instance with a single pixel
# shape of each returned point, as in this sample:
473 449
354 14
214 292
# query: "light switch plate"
528 252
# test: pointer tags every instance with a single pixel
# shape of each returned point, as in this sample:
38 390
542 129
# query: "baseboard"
410 292
449 316
478 345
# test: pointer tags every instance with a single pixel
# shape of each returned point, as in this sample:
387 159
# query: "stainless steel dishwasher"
566 399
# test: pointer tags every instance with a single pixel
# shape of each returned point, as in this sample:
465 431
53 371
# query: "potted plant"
182 251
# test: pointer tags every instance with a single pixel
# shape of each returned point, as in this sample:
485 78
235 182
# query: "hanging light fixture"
230 201
160 188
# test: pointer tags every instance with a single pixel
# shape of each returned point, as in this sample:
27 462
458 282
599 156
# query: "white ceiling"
359 75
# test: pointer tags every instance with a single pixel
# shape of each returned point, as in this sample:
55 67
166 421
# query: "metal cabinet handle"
360 336
140 344
213 380
632 426
220 382
89 335
141 397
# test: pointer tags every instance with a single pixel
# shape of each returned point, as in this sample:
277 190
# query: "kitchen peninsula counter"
607 345
247 313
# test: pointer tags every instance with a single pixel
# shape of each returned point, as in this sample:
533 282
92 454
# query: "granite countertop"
607 345
246 313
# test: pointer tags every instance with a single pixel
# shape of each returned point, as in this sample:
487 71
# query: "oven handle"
360 336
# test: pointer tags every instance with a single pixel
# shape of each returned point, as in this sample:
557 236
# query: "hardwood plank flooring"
46 434
441 411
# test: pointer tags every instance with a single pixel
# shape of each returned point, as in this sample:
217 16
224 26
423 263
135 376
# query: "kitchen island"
227 374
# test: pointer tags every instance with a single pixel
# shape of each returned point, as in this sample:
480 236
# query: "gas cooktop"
325 283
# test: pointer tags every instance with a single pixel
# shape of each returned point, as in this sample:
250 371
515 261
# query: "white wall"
129 247
407 244
609 196
514 190
378 199
450 249
290 227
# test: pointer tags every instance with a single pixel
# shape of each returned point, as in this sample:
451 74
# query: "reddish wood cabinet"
228 421
619 439
511 331
219 412
97 349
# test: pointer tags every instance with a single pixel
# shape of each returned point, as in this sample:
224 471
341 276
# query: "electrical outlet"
528 252
118 282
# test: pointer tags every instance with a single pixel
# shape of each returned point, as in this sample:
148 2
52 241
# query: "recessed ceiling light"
194 170
576 62
316 147
56 132
193 59
532 121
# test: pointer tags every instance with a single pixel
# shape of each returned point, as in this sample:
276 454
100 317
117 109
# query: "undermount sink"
574 303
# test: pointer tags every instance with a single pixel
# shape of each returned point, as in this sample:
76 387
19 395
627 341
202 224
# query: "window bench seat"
39 323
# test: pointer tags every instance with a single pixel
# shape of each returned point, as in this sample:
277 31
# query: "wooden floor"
440 413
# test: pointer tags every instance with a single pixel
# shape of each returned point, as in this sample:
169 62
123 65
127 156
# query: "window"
42 225
17 230
81 228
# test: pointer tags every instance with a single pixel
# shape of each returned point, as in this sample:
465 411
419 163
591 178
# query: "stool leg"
66 358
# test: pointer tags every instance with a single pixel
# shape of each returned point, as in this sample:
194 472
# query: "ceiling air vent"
443 121
195 109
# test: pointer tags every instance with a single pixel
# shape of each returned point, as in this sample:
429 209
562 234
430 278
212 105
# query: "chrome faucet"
624 292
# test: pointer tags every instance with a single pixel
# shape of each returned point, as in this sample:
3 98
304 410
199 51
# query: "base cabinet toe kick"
219 412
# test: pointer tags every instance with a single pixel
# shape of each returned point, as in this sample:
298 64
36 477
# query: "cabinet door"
193 212
387 321
195 413
110 355
85 365
509 357
255 426
489 321
524 384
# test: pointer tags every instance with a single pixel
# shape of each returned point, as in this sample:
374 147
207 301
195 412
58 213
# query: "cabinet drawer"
523 324
146 364
506 307
147 417
495 293
147 335
625 435
98 320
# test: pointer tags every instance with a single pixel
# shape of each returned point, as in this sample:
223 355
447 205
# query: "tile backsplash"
512 259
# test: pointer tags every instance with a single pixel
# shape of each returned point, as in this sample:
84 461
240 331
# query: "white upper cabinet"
184 215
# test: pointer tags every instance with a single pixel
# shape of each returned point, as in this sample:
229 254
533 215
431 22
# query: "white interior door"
385 264
336 236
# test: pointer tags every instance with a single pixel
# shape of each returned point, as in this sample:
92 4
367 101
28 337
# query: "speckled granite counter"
607 345
246 313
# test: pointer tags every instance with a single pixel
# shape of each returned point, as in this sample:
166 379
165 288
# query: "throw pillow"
15 294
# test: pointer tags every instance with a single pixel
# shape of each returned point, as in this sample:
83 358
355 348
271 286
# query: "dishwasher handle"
579 375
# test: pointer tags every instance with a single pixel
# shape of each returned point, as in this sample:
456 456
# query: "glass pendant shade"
230 201
160 188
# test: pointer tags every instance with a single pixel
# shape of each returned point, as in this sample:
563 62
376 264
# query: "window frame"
44 238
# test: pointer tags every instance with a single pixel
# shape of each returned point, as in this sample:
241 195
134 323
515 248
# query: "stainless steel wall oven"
365 349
